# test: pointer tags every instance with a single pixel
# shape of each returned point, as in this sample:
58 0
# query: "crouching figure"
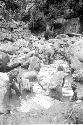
14 83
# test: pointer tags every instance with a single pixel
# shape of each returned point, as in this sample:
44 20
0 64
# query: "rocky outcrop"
4 82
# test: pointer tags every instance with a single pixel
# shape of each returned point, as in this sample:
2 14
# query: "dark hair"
74 87
60 68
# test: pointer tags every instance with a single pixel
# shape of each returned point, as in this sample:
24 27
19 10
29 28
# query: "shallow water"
27 102
33 108
30 101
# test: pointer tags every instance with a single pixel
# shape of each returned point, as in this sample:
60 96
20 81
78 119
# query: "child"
74 88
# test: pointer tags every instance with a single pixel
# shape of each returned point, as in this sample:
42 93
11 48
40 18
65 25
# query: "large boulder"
4 81
57 79
45 74
49 76
76 64
76 51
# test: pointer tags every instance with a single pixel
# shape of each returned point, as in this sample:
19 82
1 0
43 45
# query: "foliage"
39 13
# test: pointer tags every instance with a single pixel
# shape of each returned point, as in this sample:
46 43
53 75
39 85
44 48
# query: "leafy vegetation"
40 13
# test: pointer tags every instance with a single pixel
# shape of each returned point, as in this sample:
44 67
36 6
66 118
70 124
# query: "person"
13 79
74 88
4 60
59 92
48 32
56 93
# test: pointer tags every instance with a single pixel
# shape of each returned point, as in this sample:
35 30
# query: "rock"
57 79
8 48
45 75
80 55
76 53
76 64
76 45
34 64
4 81
62 65
12 66
25 64
74 34
38 89
48 49
4 59
80 91
22 42
49 77
77 113
29 54
78 76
